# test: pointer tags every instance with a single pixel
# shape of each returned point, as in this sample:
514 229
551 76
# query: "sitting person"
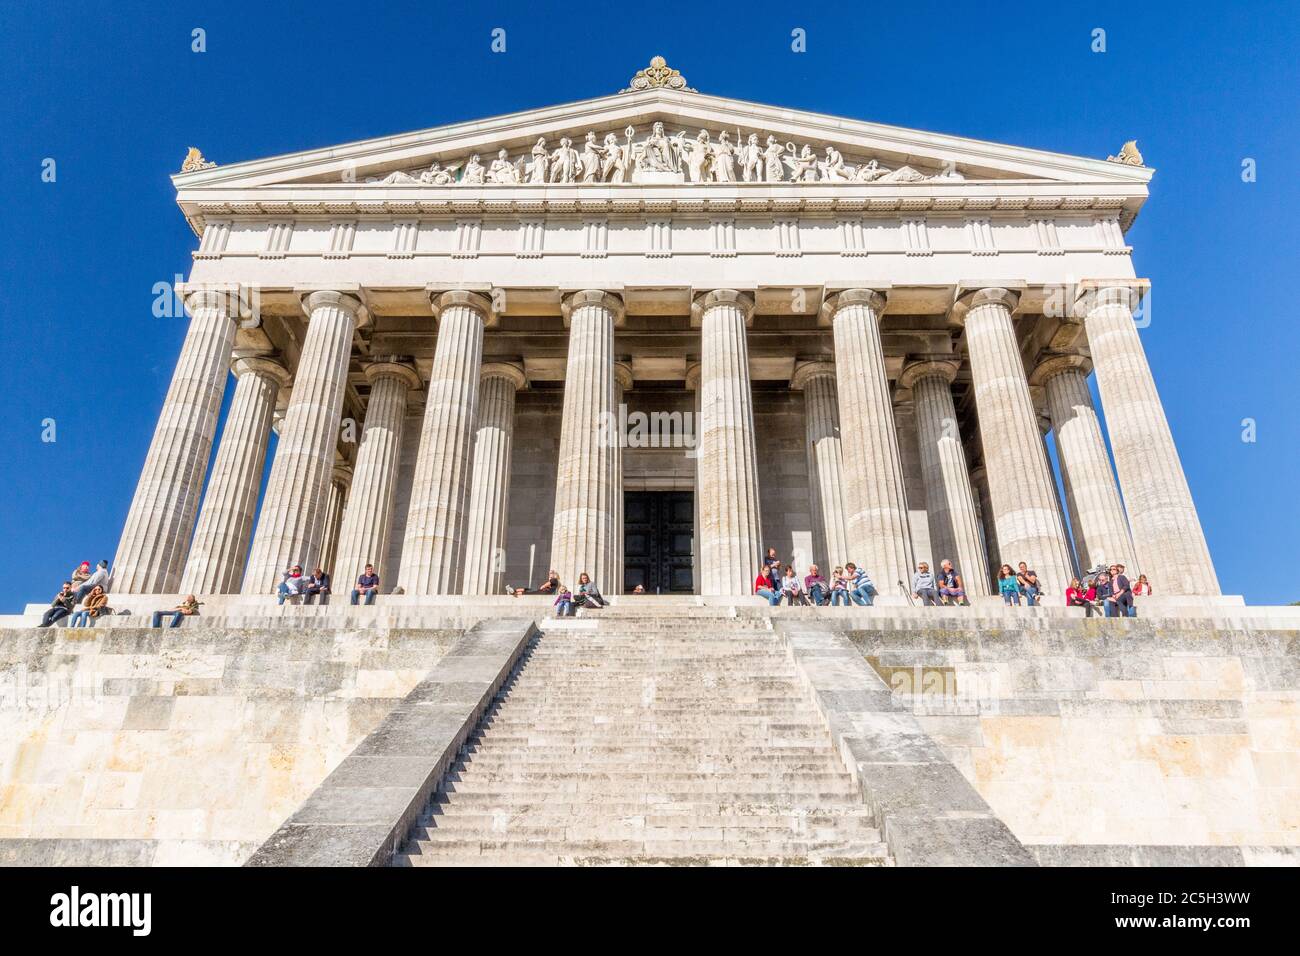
763 588
1029 585
1142 587
952 590
1008 585
80 575
639 589
923 586
1076 595
291 584
588 594
791 589
563 601
62 604
861 590
772 565
1119 603
317 584
95 604
368 585
552 583
815 586
187 608
99 579
839 588
1101 590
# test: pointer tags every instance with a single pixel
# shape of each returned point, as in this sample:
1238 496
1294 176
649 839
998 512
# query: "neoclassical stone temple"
648 335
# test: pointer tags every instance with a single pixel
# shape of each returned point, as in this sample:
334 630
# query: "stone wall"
183 746
1174 733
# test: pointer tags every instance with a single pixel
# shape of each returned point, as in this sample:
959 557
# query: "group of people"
850 584
82 599
1109 591
568 600
296 588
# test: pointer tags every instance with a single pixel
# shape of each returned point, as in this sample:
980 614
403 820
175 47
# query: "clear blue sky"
114 95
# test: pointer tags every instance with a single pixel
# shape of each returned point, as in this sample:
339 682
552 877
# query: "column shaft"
291 527
585 513
225 526
368 516
1166 530
731 533
874 501
435 524
340 482
825 460
156 537
489 496
1026 513
950 501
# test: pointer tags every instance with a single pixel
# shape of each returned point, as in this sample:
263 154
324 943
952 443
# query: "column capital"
510 371
404 373
1053 364
990 295
598 297
342 475
702 303
693 377
874 299
918 369
1094 293
805 371
348 301
262 365
623 375
443 299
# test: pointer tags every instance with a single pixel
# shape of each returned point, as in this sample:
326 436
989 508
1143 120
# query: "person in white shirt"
98 579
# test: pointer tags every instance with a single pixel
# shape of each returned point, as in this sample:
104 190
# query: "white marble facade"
855 321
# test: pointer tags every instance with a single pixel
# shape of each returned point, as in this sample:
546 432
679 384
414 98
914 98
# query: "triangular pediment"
700 140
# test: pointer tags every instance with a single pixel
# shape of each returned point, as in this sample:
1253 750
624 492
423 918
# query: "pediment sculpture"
660 157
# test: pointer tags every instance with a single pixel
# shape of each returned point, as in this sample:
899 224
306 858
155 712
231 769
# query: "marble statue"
773 169
834 169
589 161
541 159
502 172
564 162
751 160
697 153
803 167
723 160
475 174
657 153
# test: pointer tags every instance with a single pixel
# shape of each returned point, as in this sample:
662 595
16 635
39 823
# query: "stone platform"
657 730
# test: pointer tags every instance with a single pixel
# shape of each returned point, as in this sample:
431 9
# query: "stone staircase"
628 738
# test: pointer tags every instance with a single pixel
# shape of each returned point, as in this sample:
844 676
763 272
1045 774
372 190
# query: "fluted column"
291 527
1166 530
622 382
156 537
874 500
225 527
825 457
731 543
435 526
585 512
1026 513
989 532
368 516
340 482
489 496
949 499
697 553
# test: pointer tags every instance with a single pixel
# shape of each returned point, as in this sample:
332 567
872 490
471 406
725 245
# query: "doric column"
585 511
156 537
874 501
825 457
1166 529
291 527
225 526
622 382
368 516
949 499
693 386
1101 532
731 546
435 523
988 530
340 482
489 495
1026 510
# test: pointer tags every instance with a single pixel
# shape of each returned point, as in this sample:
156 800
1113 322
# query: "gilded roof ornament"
1128 155
658 74
194 161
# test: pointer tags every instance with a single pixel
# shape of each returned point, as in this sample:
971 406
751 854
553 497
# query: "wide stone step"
494 824
515 857
663 792
745 845
704 831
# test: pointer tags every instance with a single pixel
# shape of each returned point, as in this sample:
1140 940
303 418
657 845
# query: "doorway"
658 533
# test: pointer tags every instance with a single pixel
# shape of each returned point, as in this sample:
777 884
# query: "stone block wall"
184 746
1111 732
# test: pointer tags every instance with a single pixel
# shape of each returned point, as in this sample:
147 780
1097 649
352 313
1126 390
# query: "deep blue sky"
114 95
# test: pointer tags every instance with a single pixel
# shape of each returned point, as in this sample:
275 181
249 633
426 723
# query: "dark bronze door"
658 527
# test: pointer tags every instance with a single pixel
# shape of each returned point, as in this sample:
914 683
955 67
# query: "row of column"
455 531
